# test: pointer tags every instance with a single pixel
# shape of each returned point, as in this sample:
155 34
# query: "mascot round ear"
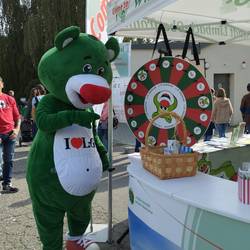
113 48
66 36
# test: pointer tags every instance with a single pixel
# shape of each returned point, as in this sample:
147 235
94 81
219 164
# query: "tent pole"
110 151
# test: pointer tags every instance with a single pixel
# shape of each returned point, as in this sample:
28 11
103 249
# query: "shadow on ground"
20 160
21 203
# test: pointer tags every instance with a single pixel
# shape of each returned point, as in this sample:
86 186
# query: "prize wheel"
168 84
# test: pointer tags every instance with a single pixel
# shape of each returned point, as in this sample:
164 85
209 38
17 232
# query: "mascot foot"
81 244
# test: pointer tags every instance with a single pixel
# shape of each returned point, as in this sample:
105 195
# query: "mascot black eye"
100 71
87 68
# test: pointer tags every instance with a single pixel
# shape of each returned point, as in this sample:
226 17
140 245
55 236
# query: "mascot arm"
101 149
49 118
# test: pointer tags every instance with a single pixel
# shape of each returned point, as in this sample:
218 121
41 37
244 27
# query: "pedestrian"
210 130
245 109
22 105
137 145
40 93
222 112
11 93
33 93
103 124
9 129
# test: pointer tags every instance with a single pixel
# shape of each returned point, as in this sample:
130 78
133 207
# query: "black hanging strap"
185 48
161 28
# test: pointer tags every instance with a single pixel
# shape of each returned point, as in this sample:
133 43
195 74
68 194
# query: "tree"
46 19
14 65
27 30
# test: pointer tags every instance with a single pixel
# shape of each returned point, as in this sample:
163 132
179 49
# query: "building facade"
226 66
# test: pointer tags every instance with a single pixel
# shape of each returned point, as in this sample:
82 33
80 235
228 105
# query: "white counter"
202 191
191 213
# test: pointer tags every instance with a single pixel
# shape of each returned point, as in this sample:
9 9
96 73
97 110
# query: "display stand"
97 232
199 212
110 169
103 232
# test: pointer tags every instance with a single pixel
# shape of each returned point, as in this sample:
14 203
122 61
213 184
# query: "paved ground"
17 225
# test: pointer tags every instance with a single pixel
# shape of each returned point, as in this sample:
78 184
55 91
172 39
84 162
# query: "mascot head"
77 70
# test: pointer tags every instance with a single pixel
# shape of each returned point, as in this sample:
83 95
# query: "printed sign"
96 18
119 86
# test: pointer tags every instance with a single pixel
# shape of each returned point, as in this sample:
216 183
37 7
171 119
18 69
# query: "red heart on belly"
76 142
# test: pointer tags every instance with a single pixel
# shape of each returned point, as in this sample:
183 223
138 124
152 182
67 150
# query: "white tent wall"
222 60
212 21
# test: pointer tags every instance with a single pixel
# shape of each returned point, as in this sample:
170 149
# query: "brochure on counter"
217 144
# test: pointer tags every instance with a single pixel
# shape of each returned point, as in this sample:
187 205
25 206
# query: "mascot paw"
81 244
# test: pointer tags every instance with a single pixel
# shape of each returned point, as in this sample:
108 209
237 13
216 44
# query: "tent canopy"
215 21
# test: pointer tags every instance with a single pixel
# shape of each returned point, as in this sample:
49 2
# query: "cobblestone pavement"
17 225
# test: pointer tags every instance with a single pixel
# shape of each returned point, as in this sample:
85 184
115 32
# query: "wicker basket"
168 166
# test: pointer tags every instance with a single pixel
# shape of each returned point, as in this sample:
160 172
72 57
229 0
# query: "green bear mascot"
67 158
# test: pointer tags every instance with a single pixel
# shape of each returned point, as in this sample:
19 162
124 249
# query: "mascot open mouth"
82 99
86 90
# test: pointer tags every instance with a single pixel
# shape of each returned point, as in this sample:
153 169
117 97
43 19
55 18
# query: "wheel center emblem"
164 97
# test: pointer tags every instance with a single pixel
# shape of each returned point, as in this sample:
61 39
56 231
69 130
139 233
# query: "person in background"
209 133
137 145
103 124
245 109
9 129
22 107
33 93
11 93
222 112
40 93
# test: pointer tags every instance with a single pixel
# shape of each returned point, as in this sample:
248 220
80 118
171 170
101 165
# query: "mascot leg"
49 222
78 221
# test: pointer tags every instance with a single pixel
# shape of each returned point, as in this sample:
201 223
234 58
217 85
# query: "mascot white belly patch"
78 165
